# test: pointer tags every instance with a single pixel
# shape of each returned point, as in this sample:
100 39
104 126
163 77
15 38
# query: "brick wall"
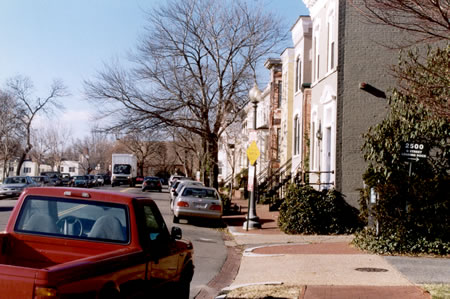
361 58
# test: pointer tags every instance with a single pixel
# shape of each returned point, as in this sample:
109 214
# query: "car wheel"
176 219
109 293
183 287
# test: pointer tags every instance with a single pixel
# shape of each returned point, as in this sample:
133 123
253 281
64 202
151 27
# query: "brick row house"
313 111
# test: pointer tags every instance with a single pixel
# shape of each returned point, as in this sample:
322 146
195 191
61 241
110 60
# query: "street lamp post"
253 220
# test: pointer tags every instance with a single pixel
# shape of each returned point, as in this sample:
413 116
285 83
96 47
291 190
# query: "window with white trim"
296 135
316 54
298 74
330 42
280 93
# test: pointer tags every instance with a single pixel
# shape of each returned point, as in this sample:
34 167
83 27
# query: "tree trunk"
20 163
213 159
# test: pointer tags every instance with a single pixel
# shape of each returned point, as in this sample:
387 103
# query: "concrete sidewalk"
308 266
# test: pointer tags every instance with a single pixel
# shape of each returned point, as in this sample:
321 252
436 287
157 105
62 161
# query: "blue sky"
72 39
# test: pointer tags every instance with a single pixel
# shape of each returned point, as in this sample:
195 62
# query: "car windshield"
122 169
80 177
199 192
80 219
16 180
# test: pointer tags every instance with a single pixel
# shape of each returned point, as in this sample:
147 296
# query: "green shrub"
308 211
413 205
397 241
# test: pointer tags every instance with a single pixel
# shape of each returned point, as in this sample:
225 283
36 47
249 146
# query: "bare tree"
51 143
231 139
189 150
143 146
195 61
424 20
94 152
40 147
10 129
21 88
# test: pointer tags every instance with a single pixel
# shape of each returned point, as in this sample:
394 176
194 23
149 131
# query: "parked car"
65 179
151 183
92 181
178 186
81 181
14 185
106 178
139 180
99 179
55 177
198 202
173 178
42 180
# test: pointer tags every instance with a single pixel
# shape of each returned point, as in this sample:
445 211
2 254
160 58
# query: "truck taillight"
45 293
183 204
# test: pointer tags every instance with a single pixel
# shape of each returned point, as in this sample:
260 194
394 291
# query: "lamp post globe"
254 94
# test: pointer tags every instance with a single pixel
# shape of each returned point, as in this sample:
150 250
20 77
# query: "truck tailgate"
16 282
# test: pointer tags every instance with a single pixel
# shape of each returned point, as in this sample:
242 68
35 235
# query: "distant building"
71 167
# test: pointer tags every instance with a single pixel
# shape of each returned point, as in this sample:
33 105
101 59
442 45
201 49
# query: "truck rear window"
70 218
122 169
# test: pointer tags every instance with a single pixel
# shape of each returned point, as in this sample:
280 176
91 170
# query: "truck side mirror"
176 233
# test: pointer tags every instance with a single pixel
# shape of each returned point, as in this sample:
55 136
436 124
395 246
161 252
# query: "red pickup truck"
79 243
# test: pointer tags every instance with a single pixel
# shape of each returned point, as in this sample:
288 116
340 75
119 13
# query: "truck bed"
44 252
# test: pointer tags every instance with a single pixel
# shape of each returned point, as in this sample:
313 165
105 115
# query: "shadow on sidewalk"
268 219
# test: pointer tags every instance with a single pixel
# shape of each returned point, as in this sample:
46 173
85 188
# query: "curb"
227 273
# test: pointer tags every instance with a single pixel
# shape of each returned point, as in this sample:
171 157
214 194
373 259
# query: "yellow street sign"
253 153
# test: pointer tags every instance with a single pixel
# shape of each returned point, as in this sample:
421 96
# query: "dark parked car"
81 181
65 179
139 180
55 177
107 179
92 181
42 180
151 183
